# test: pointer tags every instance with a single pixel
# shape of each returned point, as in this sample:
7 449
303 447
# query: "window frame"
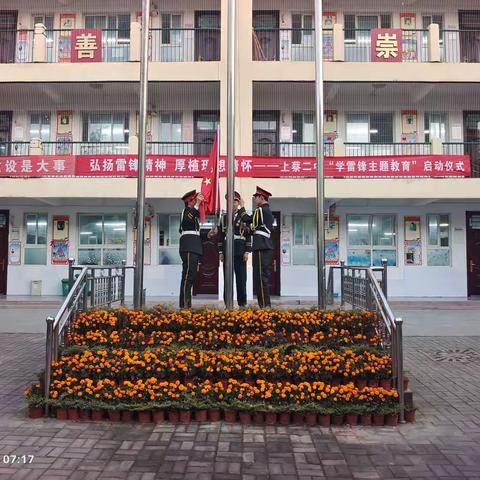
167 31
427 114
119 39
86 126
303 247
170 247
370 132
380 22
301 31
36 245
431 247
41 114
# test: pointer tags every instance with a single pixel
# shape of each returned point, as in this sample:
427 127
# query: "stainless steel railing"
89 287
360 288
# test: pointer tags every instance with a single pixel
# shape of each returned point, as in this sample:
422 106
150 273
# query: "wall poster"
67 24
332 239
329 19
330 126
60 239
409 126
408 21
413 240
64 132
15 252
147 260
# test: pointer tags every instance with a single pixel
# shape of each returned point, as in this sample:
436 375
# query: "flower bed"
252 365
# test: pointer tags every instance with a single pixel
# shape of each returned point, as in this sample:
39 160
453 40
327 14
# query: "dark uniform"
191 249
261 223
242 244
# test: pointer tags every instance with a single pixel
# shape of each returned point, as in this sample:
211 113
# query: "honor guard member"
242 246
261 223
191 249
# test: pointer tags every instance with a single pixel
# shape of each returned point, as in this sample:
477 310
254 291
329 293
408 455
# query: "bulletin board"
60 239
332 240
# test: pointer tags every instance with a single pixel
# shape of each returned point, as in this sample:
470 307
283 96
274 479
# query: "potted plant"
173 415
338 416
270 415
325 416
114 414
97 411
36 401
353 414
284 418
391 415
410 414
144 413
378 417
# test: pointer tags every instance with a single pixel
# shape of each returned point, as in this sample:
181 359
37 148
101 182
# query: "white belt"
265 234
238 237
190 232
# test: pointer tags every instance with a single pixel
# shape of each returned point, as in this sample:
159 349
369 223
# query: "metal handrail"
87 290
376 299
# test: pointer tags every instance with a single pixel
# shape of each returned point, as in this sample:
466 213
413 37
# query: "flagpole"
232 10
320 206
138 300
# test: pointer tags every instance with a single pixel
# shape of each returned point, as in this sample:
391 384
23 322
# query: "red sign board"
260 167
387 45
87 45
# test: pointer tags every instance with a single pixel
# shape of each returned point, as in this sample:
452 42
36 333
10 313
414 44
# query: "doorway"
265 35
206 281
4 225
207 36
5 129
469 25
8 35
473 253
471 134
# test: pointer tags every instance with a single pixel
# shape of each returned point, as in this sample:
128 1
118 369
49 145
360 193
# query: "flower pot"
366 419
35 412
410 416
173 416
337 420
386 383
230 416
311 419
298 419
145 416
391 420
245 418
185 416
259 418
114 415
378 419
72 413
97 415
127 416
62 414
159 416
373 382
324 420
201 415
361 383
214 414
270 418
284 418
84 414
352 419
336 382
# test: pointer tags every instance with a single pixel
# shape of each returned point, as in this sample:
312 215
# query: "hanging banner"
38 166
67 24
386 45
87 45
329 19
147 259
332 240
64 132
408 24
60 239
413 240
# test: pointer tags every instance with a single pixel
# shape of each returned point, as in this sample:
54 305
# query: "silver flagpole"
232 11
138 300
319 134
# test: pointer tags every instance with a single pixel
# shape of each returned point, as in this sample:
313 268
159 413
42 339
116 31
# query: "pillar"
39 43
434 52
135 41
338 148
133 145
338 43
437 146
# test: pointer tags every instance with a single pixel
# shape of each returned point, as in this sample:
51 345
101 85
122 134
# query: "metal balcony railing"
378 149
460 46
14 148
283 149
472 149
185 44
179 148
85 148
16 46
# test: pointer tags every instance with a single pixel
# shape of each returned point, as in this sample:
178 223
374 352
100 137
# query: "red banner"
87 45
387 45
260 167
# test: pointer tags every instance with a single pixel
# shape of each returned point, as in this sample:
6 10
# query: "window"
438 238
265 121
171 25
302 29
304 245
168 239
429 19
170 127
436 126
117 26
370 239
36 238
357 27
370 128
103 239
40 126
303 127
105 127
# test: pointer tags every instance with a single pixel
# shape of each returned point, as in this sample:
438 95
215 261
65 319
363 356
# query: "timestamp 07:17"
18 459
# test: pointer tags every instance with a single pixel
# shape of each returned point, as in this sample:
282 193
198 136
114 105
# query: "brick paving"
444 443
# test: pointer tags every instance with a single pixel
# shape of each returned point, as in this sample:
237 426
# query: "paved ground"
444 443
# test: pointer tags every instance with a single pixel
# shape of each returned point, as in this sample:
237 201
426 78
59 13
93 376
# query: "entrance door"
3 251
8 35
206 281
471 134
469 23
205 129
207 36
275 286
265 35
265 133
473 253
5 129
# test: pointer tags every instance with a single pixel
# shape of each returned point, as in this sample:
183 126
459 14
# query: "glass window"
171 25
40 126
304 235
302 29
264 121
436 126
358 128
369 128
171 127
207 121
103 239
36 238
370 239
106 127
168 239
438 238
303 127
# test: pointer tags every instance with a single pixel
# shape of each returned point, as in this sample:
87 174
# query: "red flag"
210 185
